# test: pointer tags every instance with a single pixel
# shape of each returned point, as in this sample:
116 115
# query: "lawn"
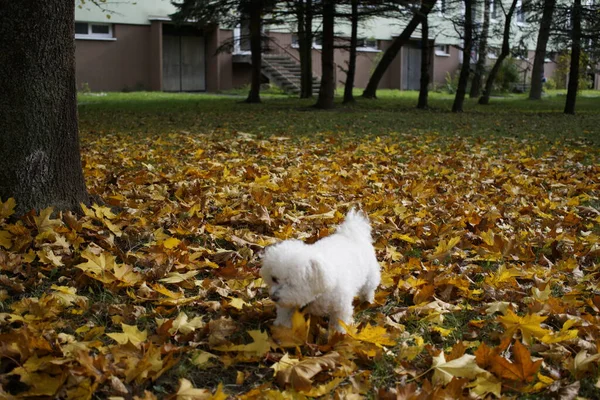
486 226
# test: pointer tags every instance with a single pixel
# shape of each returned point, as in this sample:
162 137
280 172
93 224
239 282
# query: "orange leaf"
522 370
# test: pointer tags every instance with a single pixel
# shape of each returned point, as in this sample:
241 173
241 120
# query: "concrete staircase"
284 72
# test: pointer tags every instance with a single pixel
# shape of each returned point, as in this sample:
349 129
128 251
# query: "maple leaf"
299 376
5 239
98 267
294 336
529 325
130 334
184 325
7 208
462 367
259 347
67 295
444 248
370 334
522 370
44 221
187 391
565 334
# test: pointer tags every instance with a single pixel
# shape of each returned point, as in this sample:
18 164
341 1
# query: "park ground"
486 225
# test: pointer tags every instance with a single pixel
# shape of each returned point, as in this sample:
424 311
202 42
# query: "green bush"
508 76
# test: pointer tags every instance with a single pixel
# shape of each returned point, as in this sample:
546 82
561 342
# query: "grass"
394 111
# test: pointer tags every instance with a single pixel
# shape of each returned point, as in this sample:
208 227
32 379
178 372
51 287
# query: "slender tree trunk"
489 83
391 52
463 78
327 89
425 65
40 162
481 52
349 85
575 56
537 73
255 11
305 39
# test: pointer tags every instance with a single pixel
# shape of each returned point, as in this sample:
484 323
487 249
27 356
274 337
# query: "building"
135 46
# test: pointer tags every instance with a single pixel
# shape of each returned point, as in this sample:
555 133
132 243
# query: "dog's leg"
284 317
342 313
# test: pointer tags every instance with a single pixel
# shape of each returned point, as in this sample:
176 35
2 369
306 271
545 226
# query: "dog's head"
295 274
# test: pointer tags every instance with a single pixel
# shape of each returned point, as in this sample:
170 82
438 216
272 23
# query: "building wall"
442 65
115 65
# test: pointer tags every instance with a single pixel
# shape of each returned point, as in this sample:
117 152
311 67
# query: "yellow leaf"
284 363
98 267
294 336
563 335
130 334
462 367
171 243
176 277
67 295
238 303
259 347
188 392
371 334
486 384
444 248
44 222
529 325
7 208
202 358
405 238
185 326
299 376
5 239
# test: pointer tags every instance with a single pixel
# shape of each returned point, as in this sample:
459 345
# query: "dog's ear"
321 274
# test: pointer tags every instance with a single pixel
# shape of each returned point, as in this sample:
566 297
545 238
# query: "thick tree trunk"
481 52
327 89
305 39
425 65
349 85
463 78
255 12
40 163
575 56
489 83
537 73
391 52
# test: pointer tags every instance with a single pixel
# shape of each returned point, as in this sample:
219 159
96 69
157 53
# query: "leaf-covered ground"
489 248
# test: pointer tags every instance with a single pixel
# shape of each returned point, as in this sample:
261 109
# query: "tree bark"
349 85
489 83
40 162
391 52
305 39
481 52
537 73
254 13
327 89
425 65
575 56
463 78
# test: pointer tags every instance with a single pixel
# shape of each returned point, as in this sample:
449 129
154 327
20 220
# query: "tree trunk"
327 89
481 52
40 163
463 78
391 52
349 85
489 83
537 73
575 56
425 65
305 39
255 11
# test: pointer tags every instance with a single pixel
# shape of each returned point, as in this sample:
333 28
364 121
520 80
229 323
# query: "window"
442 50
494 10
520 13
365 43
92 30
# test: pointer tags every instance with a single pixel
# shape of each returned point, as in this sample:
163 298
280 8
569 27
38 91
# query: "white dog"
325 276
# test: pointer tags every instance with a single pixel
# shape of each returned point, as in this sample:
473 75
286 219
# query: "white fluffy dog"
325 276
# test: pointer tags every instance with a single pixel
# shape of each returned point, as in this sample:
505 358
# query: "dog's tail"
356 226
